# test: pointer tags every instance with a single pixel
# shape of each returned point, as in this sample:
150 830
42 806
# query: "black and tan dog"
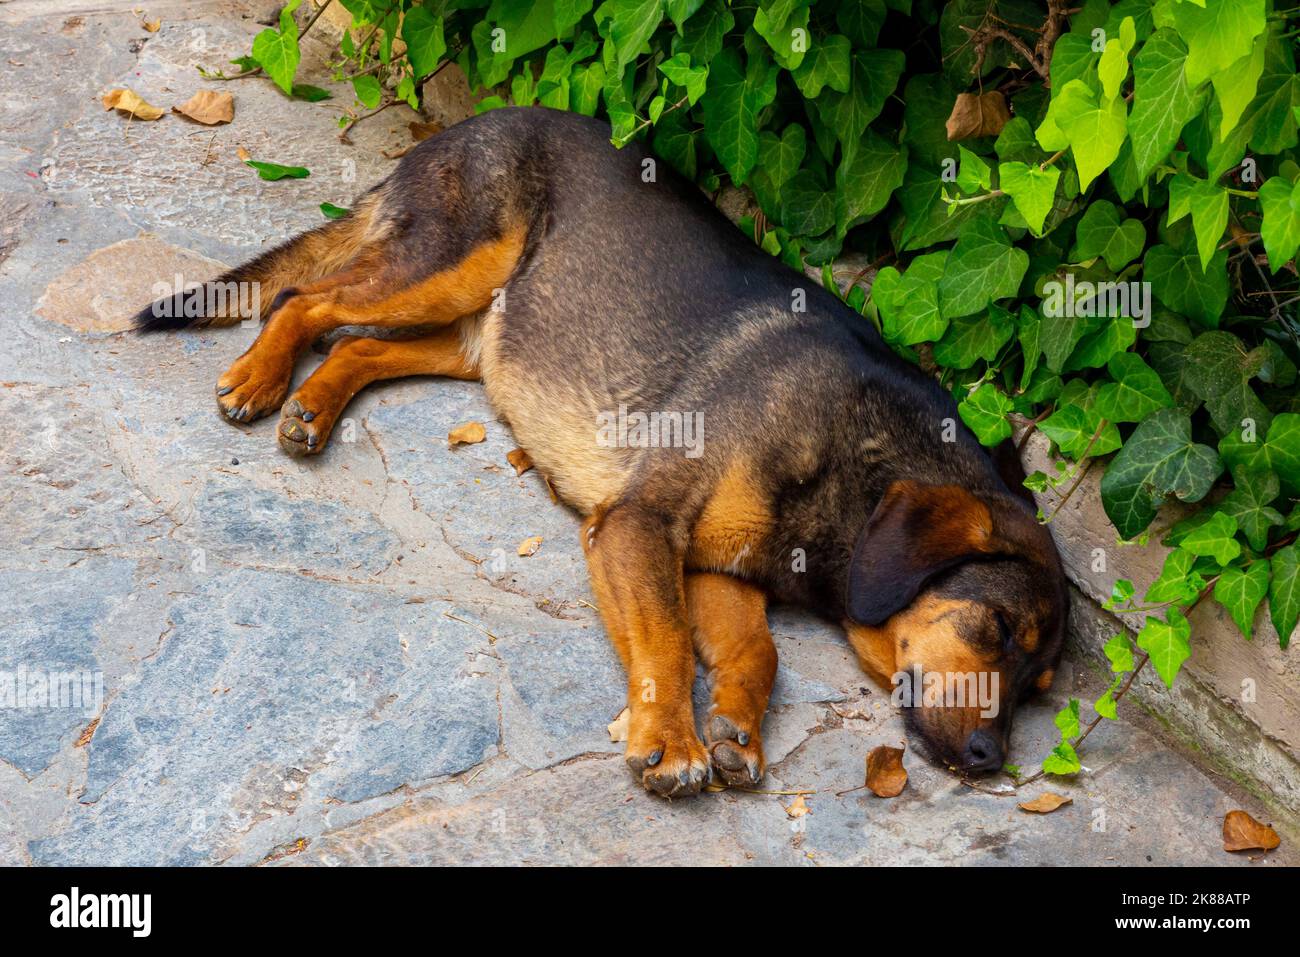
576 280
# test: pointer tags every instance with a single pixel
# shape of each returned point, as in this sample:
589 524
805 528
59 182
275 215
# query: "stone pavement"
345 660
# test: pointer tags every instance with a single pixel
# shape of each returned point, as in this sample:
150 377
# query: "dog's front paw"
735 751
250 389
669 761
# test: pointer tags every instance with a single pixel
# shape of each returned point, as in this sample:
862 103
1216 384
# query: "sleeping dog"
579 282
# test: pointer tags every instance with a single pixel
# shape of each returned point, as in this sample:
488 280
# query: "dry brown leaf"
467 434
1241 832
886 776
208 107
978 115
127 101
798 808
151 26
520 460
422 131
618 727
529 546
243 154
1045 803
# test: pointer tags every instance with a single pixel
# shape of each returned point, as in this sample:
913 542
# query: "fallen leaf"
977 115
618 727
127 101
520 460
1045 803
529 546
422 131
886 776
467 434
798 808
1241 832
151 25
274 171
208 107
243 154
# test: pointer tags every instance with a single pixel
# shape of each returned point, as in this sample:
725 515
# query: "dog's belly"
554 419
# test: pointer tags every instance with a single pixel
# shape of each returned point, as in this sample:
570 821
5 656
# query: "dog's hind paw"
248 391
677 766
736 754
303 431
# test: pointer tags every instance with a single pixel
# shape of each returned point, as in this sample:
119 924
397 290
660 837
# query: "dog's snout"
983 752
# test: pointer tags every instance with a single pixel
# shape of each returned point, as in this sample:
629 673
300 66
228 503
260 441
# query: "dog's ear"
919 530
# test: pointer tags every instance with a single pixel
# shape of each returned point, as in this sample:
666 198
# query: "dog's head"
957 601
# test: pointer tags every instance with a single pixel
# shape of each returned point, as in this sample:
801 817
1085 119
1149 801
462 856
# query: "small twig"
343 135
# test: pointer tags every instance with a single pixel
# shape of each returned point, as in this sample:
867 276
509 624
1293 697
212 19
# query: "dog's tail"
251 290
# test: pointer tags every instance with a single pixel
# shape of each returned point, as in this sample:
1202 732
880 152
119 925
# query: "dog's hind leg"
370 292
636 566
308 418
729 624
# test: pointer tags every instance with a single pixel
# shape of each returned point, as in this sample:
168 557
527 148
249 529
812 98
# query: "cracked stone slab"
485 509
50 624
271 695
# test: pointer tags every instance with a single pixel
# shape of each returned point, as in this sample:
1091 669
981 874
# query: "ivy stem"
1083 470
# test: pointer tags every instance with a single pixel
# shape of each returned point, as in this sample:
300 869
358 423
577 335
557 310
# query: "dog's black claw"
655 758
308 416
226 391
743 738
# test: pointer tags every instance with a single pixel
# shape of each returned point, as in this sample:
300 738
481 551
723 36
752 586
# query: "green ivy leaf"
807 206
974 337
368 91
1208 205
1072 428
1219 370
1136 392
1214 538
1067 720
874 75
1119 652
1284 592
982 268
1100 233
1168 643
1279 198
1179 282
1163 101
1032 189
1240 591
274 171
1178 584
910 309
425 44
1092 126
633 23
585 85
864 183
330 211
826 64
277 50
781 156
1062 760
1159 459
985 413
694 80
1248 503
1218 34
731 104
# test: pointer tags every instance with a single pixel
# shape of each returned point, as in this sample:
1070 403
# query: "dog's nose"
983 752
